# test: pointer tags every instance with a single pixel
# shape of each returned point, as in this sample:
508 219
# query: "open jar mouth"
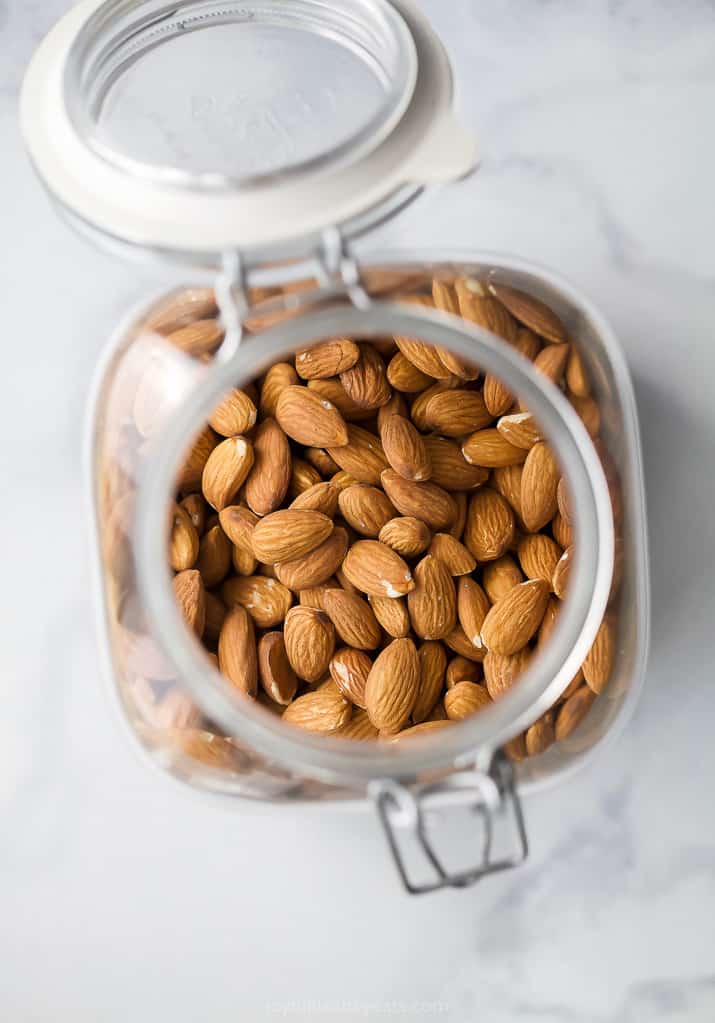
334 759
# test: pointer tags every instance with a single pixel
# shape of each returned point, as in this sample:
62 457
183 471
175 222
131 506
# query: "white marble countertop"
122 897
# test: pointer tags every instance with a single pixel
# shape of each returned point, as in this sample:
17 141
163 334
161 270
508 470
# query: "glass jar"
250 181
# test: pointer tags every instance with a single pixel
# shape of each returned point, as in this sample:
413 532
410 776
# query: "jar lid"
198 127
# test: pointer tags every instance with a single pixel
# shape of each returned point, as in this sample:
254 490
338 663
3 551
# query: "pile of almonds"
374 539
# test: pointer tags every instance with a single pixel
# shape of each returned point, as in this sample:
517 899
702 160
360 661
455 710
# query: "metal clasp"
491 795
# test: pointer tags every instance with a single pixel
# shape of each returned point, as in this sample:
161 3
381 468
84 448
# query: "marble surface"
122 896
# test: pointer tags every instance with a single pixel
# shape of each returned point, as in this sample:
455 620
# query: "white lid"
200 127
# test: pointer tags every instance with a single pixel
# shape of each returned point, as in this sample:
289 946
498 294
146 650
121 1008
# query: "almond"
457 527
333 391
267 483
196 508
238 524
310 641
573 711
360 454
539 483
359 727
489 529
548 622
349 669
456 412
315 596
425 501
588 412
478 306
576 377
540 735
318 565
598 664
460 669
538 556
423 356
192 468
450 469
497 397
289 533
191 598
277 677
237 656
530 311
353 619
432 604
342 480
236 414
453 555
420 402
227 467
326 359
500 576
181 308
392 686
377 570
366 382
321 497
472 608
404 376
563 500
215 614
404 449
309 419
433 663
507 481
266 600
243 560
490 450
423 728
406 535
502 670
392 614
561 531
278 377
396 406
324 710
202 337
214 558
520 429
445 299
515 617
551 362
457 641
561 573
465 699
302 477
183 541
515 748
321 461
365 508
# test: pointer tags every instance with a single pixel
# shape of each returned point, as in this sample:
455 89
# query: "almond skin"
191 598
424 357
396 406
490 450
530 311
359 728
454 413
360 454
238 524
539 483
500 576
309 640
406 535
235 415
433 664
318 565
404 449
321 497
266 600
326 359
353 619
377 570
562 531
458 642
472 608
288 534
489 529
196 508
432 604
520 429
507 481
225 471
365 508
333 391
445 298
477 306
237 655
392 614
450 469
419 404
267 483
392 686
404 376
278 377
309 419
538 555
366 382
425 501
501 671
576 377
465 699
324 710
515 617
214 560
598 665
573 711
183 541
453 554
277 677
349 669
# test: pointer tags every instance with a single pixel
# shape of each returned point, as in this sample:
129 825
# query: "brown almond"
490 450
520 429
500 576
454 413
392 614
366 382
310 641
538 556
576 377
326 359
278 377
450 469
365 508
349 669
202 337
181 308
333 391
183 540
551 362
465 699
433 664
214 558
561 573
501 671
530 311
457 528
267 483
489 529
314 596
309 419
266 600
377 570
497 396
277 677
445 299
324 710
539 483
235 415
392 686
598 665
215 614
453 554
321 461
342 480
515 617
562 532
303 476
225 471
425 357
404 376
353 619
425 501
360 454
548 622
238 524
423 728
507 480
318 565
461 669
192 467
589 414
478 306
432 604
540 736
196 508
191 598
289 533
244 561
573 711
458 642
472 608
404 449
406 535
515 748
359 728
321 497
396 406
563 500
237 656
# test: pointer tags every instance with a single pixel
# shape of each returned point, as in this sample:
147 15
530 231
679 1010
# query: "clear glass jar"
267 233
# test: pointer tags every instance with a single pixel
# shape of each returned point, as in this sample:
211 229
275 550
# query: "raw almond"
458 642
349 669
433 663
321 461
460 669
540 736
353 619
548 622
359 728
266 600
456 412
478 306
396 406
520 429
445 298
191 598
267 483
237 655
472 608
238 524
321 497
318 565
507 480
490 450
588 412
310 641
309 419
500 576
314 596
326 359
420 402
214 558
392 686
360 454
551 362
598 665
501 671
366 382
538 555
342 480
497 396
215 614
333 391
539 483
450 469
563 500
561 573
192 468
515 617
453 554
202 337
404 376
530 311
561 531
573 711
405 449
576 377
392 614
423 356
277 677
303 476
423 728
489 529
365 508
432 604
425 501
406 535
515 748
183 540
289 533
457 527
278 377
196 508
181 308
243 560
324 710
377 570
465 699
235 415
